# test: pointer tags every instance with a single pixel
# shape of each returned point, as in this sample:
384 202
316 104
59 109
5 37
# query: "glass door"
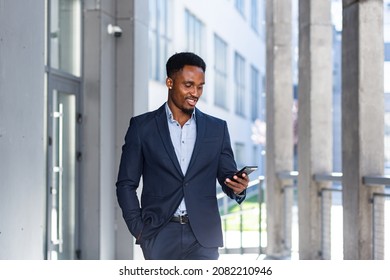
63 165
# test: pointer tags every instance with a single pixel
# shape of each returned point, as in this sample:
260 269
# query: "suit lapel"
162 125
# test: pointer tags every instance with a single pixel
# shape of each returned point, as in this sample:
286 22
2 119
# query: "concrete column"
279 148
99 162
132 77
22 130
362 119
315 122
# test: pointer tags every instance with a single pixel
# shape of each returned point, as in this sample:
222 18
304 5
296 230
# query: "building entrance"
63 167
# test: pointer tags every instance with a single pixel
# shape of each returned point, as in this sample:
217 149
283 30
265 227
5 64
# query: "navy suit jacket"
148 152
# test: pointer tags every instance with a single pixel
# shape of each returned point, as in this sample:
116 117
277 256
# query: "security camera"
114 30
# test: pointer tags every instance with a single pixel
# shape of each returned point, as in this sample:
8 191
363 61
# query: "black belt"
180 219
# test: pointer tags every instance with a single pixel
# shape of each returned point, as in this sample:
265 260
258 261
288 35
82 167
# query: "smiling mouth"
192 101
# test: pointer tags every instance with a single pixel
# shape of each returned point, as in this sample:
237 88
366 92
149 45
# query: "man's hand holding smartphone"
239 182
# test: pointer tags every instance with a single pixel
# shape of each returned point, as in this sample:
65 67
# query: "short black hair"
177 62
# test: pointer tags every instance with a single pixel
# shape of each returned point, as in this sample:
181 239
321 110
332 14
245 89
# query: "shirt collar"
170 115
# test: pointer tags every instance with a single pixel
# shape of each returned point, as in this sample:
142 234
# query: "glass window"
159 38
387 138
255 155
254 93
65 36
194 33
261 18
239 154
239 83
263 97
254 15
220 67
240 6
387 51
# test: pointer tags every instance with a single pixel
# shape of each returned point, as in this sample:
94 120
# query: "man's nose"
196 91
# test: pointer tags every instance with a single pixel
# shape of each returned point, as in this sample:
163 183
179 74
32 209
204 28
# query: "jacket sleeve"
227 167
129 175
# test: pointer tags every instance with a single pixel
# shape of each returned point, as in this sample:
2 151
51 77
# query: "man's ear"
169 83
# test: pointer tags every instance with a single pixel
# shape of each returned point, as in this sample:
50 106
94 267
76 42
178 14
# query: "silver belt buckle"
181 220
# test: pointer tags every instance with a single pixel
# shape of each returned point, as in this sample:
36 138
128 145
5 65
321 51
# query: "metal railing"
380 216
331 216
235 241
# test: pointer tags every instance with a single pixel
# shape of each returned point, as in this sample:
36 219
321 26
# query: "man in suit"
180 153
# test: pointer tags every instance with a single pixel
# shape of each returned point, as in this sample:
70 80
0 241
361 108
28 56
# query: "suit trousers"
177 242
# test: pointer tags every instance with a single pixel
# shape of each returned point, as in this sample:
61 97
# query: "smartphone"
247 170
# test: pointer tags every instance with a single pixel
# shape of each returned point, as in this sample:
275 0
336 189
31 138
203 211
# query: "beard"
187 111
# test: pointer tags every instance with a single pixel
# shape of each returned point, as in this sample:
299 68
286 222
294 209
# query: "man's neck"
179 116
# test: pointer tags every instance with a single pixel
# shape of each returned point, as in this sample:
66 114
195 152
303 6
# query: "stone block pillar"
279 148
315 122
132 78
362 119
